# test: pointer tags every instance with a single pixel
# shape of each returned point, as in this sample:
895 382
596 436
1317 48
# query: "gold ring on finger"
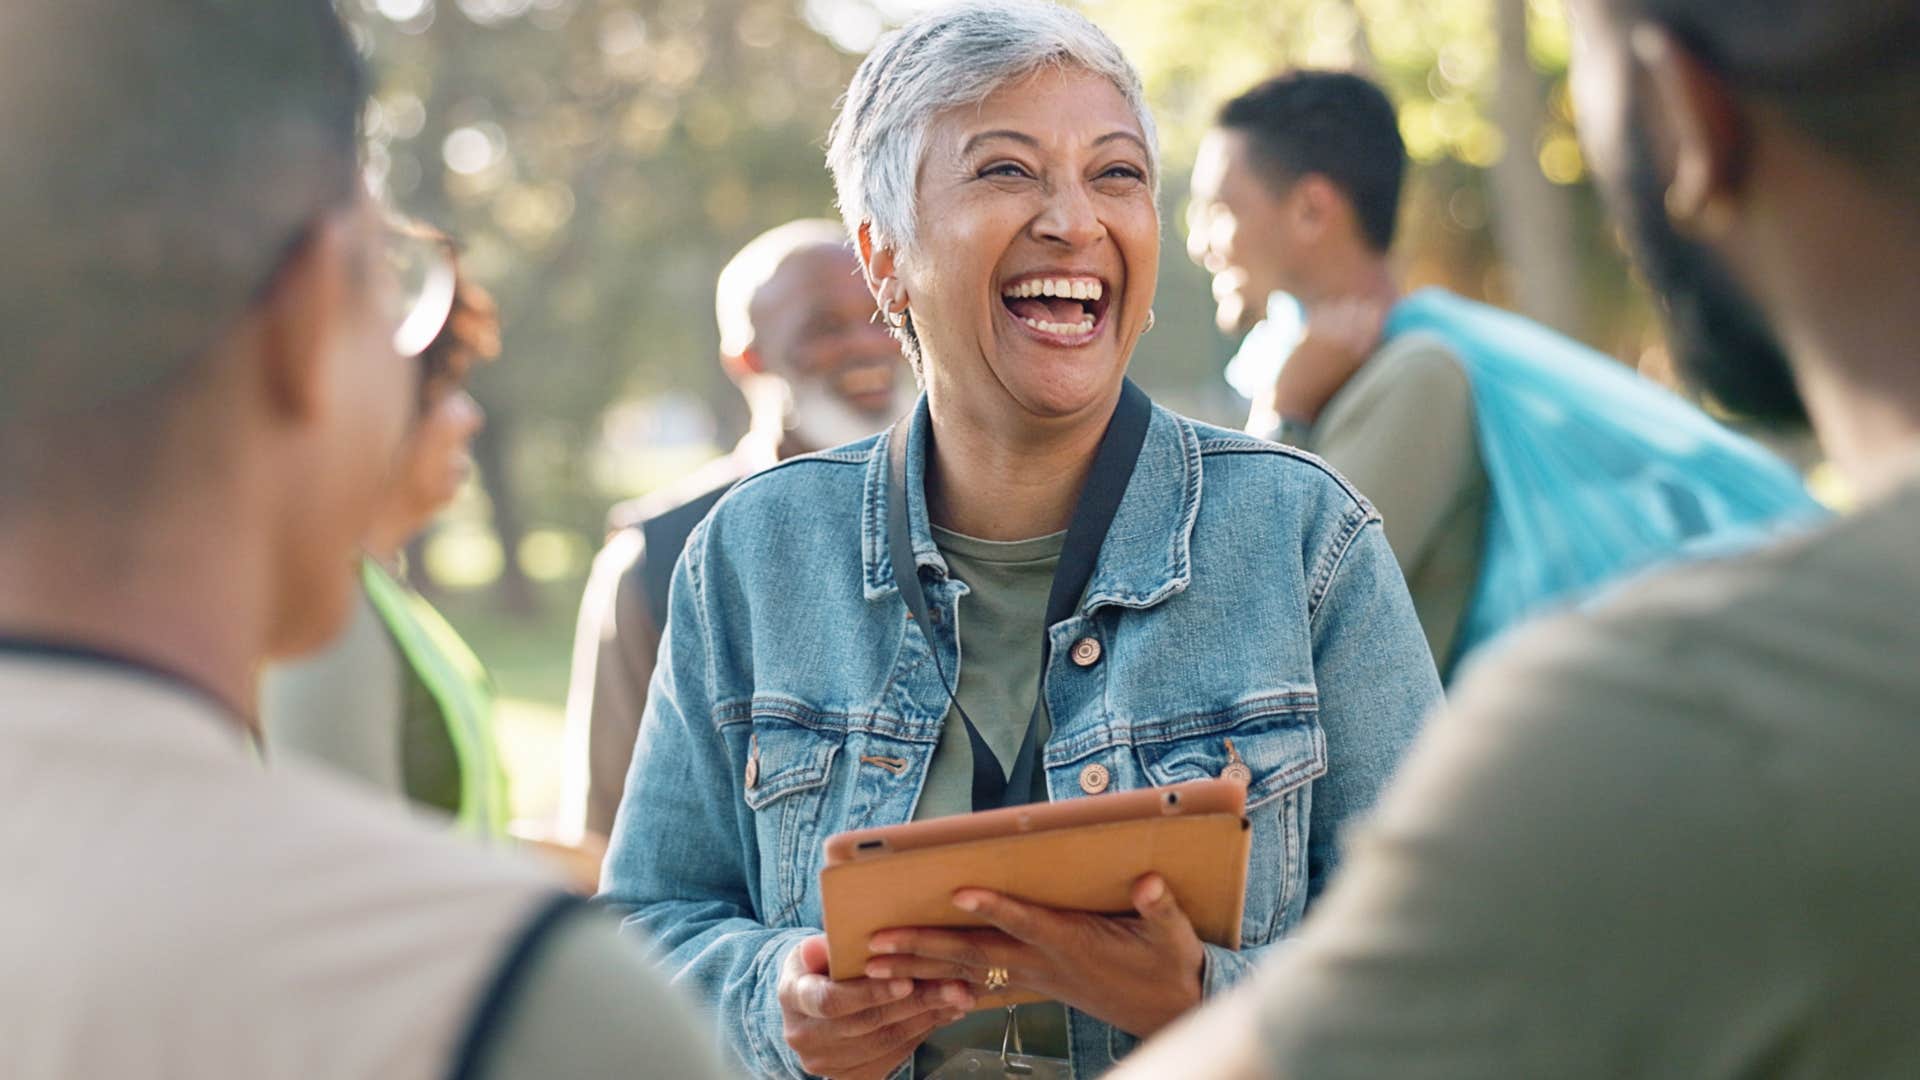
996 979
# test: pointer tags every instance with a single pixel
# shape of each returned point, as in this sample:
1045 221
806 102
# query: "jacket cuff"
763 1030
1225 967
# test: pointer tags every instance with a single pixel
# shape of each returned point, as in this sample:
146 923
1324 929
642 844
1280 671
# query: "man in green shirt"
1678 834
1296 190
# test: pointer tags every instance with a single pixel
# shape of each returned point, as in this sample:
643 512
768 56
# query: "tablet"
1081 854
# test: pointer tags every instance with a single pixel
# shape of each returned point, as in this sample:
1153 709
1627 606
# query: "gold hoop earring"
897 319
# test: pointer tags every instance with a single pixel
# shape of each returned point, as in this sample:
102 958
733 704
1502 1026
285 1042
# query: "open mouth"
1066 309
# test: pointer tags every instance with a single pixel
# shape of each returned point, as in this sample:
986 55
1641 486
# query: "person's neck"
387 539
1863 394
155 591
1349 275
1009 482
1842 255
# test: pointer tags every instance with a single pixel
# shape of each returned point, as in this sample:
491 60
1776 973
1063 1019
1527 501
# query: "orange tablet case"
1082 854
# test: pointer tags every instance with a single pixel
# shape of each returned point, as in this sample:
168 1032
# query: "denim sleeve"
681 863
1376 684
1375 680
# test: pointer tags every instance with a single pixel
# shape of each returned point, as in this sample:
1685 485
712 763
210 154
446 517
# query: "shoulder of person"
1298 475
1417 366
703 481
798 483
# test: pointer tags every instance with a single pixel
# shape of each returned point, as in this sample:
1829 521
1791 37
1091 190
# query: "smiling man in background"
798 337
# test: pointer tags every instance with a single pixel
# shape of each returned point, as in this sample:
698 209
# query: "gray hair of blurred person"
165 158
749 271
955 56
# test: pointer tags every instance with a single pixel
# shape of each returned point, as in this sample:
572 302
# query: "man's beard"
821 419
1721 342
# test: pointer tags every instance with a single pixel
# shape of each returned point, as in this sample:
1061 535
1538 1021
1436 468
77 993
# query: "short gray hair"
749 271
958 55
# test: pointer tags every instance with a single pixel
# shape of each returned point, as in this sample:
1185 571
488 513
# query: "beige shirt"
1402 431
1676 834
171 908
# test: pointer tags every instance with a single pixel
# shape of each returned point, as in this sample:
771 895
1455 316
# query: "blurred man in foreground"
798 336
205 373
1516 469
1679 834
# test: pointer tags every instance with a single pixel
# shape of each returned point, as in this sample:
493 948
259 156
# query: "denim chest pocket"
1283 750
788 769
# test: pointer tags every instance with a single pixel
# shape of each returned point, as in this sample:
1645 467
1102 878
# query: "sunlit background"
600 160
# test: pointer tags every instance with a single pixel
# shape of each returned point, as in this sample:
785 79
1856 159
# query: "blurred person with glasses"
400 700
207 373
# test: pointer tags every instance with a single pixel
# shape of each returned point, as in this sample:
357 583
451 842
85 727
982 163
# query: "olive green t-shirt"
1000 622
1674 833
1402 430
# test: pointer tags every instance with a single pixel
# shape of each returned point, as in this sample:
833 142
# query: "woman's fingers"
931 997
823 999
973 950
1030 923
919 967
1156 905
896 1043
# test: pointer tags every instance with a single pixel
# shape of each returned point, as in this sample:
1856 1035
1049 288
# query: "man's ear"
294 323
1313 204
1706 129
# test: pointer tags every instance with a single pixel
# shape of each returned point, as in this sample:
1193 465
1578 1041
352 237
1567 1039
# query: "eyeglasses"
415 279
419 280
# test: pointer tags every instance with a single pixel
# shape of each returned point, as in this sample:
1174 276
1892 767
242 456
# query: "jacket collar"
1147 555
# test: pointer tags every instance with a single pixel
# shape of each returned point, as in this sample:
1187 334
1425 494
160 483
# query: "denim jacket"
1244 592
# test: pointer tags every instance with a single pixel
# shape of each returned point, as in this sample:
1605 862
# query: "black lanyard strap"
1093 515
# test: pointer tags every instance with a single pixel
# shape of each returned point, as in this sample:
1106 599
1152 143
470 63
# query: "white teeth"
1084 326
1065 288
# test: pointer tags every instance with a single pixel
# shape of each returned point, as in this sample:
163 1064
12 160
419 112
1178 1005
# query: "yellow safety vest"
458 683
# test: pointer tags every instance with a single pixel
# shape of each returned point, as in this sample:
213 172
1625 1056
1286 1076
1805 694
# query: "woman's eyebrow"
1028 140
1000 133
1114 136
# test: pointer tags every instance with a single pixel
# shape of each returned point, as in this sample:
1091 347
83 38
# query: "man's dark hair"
162 159
1333 123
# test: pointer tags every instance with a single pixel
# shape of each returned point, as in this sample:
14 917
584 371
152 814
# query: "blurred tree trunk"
1532 218
513 591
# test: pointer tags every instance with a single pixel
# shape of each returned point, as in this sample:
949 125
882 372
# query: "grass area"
529 658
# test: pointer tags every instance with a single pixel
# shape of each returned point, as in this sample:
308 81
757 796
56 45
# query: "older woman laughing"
1109 596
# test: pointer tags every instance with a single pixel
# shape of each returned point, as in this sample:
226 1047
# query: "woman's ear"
878 265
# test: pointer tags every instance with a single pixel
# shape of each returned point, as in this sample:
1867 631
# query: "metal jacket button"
753 763
1094 779
1236 769
1086 652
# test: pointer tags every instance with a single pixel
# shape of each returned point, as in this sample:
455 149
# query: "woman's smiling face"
1038 249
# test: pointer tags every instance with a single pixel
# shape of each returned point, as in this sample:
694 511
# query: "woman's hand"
1137 974
859 1029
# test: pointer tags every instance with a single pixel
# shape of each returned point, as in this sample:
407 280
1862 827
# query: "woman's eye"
1123 172
1004 168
